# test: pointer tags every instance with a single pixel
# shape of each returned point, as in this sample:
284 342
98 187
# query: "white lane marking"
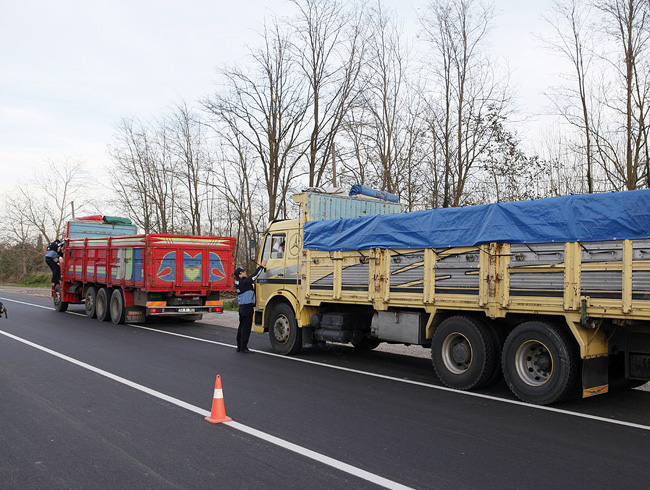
419 383
408 381
321 458
318 457
28 304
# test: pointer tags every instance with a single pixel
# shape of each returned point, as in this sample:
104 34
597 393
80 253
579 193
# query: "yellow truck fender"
280 296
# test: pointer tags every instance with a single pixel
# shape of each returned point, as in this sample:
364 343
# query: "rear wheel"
59 304
101 304
464 353
284 334
117 307
498 338
91 302
541 363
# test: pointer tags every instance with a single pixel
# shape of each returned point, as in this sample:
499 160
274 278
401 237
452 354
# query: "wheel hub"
460 353
281 329
456 353
534 363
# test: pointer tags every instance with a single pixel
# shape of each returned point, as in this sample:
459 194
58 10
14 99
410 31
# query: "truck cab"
281 249
281 308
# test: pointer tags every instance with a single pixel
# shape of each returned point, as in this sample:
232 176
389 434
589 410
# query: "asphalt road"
92 405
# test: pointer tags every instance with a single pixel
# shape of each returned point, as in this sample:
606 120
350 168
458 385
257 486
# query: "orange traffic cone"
218 413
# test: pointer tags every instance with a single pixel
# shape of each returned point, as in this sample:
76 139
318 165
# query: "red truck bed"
179 263
153 274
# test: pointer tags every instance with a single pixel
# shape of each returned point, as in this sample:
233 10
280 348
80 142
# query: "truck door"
274 277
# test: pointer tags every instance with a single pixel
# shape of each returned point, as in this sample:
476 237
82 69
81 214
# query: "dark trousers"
54 267
245 324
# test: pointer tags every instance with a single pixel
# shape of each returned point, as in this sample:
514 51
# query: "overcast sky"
71 69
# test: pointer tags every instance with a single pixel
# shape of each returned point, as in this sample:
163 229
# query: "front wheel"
541 363
59 304
284 334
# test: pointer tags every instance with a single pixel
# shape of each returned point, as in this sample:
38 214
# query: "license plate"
186 310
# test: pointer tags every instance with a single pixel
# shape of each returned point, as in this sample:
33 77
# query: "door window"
277 246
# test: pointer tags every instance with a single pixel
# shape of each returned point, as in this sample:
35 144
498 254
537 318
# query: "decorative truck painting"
124 277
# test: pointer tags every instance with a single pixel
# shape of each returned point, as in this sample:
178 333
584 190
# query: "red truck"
124 277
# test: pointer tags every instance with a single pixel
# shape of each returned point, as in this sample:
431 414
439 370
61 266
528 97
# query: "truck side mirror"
252 246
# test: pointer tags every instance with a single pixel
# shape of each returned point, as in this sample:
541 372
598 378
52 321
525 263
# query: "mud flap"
135 314
595 380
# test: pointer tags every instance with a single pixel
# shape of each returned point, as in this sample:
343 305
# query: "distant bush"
37 280
231 305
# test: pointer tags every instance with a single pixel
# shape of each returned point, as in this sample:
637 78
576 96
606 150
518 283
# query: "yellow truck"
553 294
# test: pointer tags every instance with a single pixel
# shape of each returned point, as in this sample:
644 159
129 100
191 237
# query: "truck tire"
498 337
284 334
464 353
541 363
59 304
91 302
117 307
102 301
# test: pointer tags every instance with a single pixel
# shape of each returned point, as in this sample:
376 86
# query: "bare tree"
20 235
192 162
266 109
470 94
238 184
329 49
36 213
143 175
573 40
437 27
44 204
383 130
563 166
627 24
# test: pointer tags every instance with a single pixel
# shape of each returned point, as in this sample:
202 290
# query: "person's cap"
238 271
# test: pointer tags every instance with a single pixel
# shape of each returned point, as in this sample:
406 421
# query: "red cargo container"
126 278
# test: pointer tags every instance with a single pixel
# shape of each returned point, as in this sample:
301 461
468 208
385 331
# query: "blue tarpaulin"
367 191
585 218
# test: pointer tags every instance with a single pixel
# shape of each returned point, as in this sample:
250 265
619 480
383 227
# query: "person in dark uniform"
52 258
246 299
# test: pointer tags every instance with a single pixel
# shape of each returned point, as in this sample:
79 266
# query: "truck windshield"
267 248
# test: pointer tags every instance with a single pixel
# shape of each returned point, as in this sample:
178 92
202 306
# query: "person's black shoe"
246 350
238 349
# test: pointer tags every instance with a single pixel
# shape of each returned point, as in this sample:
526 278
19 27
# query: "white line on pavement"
28 304
321 458
401 380
419 383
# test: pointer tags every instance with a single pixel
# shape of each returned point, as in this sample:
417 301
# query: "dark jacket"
244 288
54 250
